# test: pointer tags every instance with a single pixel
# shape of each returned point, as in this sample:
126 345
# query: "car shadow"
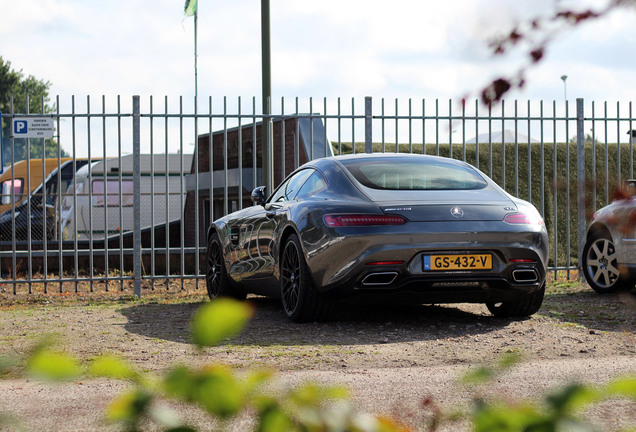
352 323
605 312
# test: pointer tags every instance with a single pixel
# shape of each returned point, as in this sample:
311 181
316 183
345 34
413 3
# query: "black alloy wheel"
216 279
301 301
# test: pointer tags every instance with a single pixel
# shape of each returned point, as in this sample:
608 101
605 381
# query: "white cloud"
331 48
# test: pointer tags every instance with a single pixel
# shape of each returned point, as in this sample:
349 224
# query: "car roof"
388 156
392 156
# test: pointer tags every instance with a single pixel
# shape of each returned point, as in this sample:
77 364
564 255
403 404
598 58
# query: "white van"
99 202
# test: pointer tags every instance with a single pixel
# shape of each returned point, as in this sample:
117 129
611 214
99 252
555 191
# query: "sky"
329 48
402 49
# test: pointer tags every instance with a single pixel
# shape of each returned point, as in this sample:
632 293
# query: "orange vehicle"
14 186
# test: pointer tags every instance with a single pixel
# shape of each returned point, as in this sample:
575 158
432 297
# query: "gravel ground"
392 357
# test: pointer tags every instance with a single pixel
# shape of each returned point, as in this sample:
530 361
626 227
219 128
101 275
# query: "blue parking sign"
20 127
33 127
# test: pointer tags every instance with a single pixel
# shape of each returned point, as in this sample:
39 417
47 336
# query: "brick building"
296 141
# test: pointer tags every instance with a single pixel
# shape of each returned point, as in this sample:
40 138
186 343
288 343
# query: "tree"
14 84
534 37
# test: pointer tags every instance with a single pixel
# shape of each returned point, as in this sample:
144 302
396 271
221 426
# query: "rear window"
410 174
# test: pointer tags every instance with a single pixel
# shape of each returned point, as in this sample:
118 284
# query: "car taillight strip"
363 220
522 219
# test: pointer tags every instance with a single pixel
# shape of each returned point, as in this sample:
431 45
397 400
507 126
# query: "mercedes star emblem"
457 212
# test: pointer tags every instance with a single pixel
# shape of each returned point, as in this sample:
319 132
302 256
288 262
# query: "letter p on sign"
20 127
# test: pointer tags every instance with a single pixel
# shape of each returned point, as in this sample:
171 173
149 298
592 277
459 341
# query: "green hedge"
526 183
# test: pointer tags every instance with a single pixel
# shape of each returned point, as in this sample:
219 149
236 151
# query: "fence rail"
152 178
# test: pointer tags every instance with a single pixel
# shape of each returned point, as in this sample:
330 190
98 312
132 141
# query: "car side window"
314 184
288 190
9 188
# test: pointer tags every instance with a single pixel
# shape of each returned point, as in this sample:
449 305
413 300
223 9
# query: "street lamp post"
565 92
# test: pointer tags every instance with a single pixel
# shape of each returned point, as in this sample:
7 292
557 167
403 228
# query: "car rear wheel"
600 265
216 279
521 307
301 301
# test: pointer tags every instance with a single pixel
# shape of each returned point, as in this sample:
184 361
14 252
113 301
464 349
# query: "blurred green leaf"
128 407
180 382
571 398
273 419
308 394
219 319
110 366
497 417
214 388
311 394
219 392
623 387
256 378
480 375
53 365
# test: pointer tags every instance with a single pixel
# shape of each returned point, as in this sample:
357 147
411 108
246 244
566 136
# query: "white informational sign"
32 127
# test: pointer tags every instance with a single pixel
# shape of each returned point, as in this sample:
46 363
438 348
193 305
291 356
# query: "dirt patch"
363 345
153 333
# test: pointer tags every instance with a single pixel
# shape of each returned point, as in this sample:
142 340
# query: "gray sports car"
413 227
609 254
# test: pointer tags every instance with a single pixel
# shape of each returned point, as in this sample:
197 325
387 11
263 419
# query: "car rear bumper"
519 261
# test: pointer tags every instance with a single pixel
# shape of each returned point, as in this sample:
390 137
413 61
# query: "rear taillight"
351 220
523 219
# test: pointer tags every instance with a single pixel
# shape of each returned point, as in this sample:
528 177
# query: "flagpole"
196 89
196 137
191 9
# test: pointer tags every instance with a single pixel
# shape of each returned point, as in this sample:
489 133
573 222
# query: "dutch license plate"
457 262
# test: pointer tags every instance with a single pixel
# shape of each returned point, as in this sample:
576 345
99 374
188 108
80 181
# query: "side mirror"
258 195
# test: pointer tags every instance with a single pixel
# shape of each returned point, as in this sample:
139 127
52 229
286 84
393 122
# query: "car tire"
301 301
521 307
600 266
216 279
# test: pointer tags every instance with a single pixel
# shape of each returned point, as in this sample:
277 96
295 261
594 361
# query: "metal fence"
148 176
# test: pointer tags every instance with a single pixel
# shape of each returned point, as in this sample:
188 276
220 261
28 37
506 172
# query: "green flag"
190 8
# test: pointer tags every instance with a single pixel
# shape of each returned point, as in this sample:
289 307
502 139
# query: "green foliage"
560 410
225 394
109 366
53 365
218 320
14 90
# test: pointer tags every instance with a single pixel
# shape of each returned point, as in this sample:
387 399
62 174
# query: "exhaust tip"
379 279
524 275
